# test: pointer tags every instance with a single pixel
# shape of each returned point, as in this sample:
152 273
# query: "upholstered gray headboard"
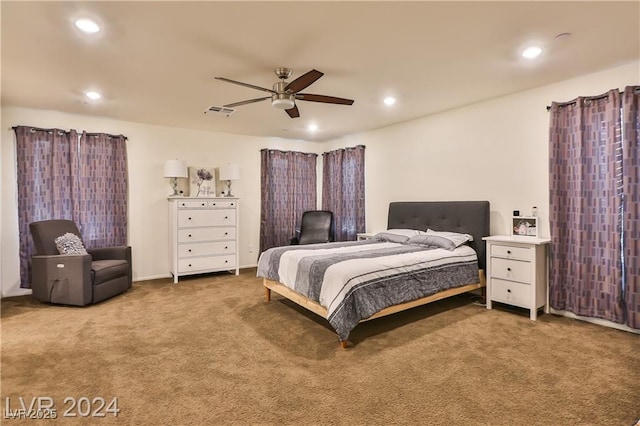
468 217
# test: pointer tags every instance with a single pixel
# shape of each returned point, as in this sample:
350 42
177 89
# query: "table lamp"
229 172
175 169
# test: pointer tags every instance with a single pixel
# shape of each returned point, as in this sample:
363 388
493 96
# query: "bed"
430 251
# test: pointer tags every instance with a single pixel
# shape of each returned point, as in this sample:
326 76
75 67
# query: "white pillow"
70 243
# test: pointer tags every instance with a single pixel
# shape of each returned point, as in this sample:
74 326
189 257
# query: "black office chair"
316 227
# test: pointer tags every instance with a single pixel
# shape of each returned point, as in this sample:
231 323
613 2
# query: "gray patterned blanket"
354 280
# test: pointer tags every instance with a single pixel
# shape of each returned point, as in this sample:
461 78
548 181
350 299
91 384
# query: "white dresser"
517 272
203 235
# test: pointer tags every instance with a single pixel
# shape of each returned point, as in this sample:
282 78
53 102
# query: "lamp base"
228 194
174 185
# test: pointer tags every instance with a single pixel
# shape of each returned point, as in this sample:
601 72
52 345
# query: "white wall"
148 146
496 150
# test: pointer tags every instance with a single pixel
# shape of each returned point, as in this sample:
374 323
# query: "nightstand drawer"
511 252
206 249
512 270
509 292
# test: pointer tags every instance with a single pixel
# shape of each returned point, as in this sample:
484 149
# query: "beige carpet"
210 351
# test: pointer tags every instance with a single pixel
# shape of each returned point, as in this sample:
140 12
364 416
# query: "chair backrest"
316 227
45 232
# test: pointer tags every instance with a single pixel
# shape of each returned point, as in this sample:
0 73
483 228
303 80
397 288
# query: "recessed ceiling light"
87 25
389 100
93 95
531 52
312 127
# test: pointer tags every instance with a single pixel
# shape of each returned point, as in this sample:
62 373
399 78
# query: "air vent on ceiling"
216 110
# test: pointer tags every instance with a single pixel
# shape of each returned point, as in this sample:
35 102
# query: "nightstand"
364 235
517 272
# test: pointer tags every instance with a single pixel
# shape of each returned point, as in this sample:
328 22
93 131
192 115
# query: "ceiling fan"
284 95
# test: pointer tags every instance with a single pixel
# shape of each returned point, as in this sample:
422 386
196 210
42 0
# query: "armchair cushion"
106 270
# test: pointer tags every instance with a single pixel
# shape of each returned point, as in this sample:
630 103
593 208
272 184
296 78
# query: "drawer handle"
189 250
508 290
189 218
189 235
226 217
226 233
509 269
226 261
189 265
225 247
508 251
203 204
214 204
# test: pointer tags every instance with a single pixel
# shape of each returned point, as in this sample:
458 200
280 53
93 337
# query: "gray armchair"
76 279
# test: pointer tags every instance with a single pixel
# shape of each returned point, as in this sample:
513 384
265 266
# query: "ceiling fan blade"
323 98
293 112
303 81
245 84
250 101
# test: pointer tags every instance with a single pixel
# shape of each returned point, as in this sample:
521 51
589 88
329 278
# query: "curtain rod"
592 98
88 134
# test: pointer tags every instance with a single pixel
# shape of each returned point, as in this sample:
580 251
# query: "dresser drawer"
206 249
222 204
202 204
192 204
512 270
206 263
513 293
206 234
511 252
194 218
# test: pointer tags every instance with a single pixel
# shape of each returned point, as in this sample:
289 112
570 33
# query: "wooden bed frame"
470 217
281 289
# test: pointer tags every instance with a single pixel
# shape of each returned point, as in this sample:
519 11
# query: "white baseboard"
18 292
598 321
169 275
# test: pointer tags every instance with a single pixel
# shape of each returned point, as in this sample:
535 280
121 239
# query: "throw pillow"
70 243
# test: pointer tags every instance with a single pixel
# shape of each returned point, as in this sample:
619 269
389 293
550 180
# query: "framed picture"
202 182
525 226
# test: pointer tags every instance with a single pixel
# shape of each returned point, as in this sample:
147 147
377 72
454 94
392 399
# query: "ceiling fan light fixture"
283 103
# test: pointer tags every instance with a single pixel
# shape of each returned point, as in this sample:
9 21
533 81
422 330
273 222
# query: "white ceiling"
155 62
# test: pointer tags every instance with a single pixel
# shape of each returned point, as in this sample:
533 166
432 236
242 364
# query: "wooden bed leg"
344 344
267 294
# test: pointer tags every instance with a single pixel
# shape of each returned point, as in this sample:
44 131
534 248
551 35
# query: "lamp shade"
230 172
175 168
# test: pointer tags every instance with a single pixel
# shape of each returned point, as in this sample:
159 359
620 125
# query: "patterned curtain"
631 188
585 204
288 182
343 190
100 189
61 175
